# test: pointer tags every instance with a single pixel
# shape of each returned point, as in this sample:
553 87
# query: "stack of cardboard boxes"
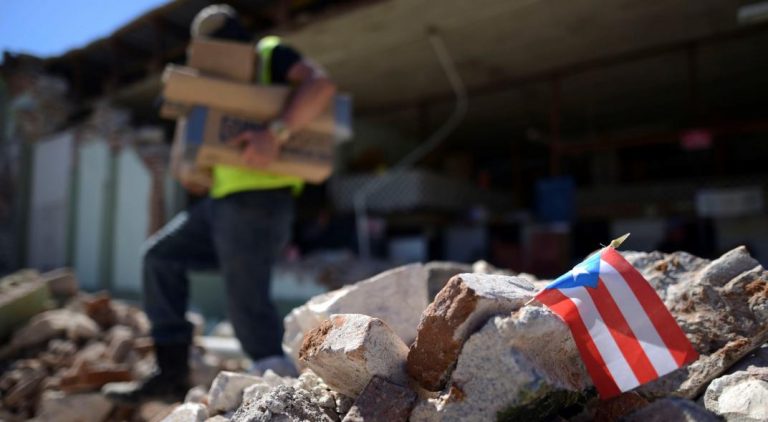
214 99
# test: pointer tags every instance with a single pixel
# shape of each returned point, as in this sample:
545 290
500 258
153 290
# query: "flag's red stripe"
671 334
621 332
598 370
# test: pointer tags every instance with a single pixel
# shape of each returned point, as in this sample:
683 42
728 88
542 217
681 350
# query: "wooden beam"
123 47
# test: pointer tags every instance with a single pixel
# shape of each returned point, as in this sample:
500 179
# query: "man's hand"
260 147
194 180
194 187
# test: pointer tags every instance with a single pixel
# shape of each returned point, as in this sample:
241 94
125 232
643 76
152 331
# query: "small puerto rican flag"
624 333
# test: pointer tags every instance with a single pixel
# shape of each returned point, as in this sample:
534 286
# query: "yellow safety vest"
228 179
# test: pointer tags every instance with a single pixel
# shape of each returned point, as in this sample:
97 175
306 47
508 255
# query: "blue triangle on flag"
584 274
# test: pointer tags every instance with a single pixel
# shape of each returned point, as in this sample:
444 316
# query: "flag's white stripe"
650 340
606 345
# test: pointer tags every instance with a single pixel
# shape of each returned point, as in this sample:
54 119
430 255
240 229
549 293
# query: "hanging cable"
437 137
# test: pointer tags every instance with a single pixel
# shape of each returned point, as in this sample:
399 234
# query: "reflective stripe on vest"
265 47
228 179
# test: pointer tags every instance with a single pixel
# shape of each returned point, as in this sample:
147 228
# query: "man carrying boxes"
253 155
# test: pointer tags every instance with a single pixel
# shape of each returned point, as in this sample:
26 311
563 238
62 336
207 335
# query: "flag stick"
615 243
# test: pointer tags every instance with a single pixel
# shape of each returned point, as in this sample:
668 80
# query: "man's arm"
313 92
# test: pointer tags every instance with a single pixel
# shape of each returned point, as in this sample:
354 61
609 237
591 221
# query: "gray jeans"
242 234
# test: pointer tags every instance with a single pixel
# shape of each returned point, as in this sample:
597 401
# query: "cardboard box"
172 111
184 85
184 156
307 154
223 59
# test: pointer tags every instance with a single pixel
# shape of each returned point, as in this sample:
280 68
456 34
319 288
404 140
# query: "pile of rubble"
72 343
379 350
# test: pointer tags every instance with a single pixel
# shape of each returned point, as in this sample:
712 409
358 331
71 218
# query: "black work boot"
170 381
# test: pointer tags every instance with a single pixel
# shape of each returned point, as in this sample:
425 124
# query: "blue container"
555 199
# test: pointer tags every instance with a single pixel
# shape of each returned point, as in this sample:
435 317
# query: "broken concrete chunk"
266 382
347 350
319 390
61 282
283 403
463 306
23 295
672 409
727 267
226 392
509 365
91 375
721 305
382 401
26 384
52 324
188 412
758 358
197 394
100 308
343 403
373 297
120 344
615 408
741 396
60 407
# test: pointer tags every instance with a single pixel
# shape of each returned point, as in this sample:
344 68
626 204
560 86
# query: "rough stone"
90 377
218 418
343 403
266 382
511 362
347 350
672 409
23 295
197 394
373 297
319 391
693 288
61 282
100 309
463 306
23 384
55 323
154 410
226 392
188 412
721 305
741 396
617 407
758 358
382 401
132 317
120 343
283 403
56 406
